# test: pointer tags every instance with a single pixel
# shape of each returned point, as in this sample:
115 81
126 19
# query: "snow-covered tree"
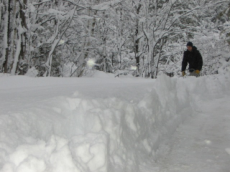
143 37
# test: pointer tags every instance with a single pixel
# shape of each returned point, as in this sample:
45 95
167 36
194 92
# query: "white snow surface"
107 124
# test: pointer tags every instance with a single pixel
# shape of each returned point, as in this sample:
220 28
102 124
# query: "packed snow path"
202 143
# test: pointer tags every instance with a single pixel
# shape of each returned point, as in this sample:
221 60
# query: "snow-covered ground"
202 143
107 124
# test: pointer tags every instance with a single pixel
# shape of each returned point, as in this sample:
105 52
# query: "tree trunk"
20 46
137 55
16 58
13 35
6 37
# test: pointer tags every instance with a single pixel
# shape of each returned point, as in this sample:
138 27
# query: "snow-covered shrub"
32 72
68 69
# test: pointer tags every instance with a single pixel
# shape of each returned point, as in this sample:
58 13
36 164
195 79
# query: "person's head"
189 46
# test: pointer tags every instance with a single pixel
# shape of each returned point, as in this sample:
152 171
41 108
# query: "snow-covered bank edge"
80 134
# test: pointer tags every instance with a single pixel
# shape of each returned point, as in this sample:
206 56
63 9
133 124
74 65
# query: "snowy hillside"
107 124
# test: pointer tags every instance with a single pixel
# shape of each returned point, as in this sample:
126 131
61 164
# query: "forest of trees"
138 37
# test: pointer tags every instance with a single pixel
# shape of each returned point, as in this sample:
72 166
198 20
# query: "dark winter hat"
190 44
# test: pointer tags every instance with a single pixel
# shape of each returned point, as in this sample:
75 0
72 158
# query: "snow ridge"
78 134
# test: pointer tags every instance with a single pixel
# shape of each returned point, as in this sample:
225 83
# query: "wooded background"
138 37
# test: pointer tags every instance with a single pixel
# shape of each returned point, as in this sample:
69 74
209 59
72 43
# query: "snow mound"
32 72
100 74
79 134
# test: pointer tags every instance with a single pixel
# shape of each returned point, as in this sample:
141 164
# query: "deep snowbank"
78 133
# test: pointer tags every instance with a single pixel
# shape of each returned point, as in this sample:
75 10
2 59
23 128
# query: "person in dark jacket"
192 57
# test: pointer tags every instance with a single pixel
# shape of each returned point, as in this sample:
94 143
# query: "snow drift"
82 134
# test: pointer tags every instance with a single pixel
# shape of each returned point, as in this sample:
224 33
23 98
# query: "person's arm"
184 63
199 61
